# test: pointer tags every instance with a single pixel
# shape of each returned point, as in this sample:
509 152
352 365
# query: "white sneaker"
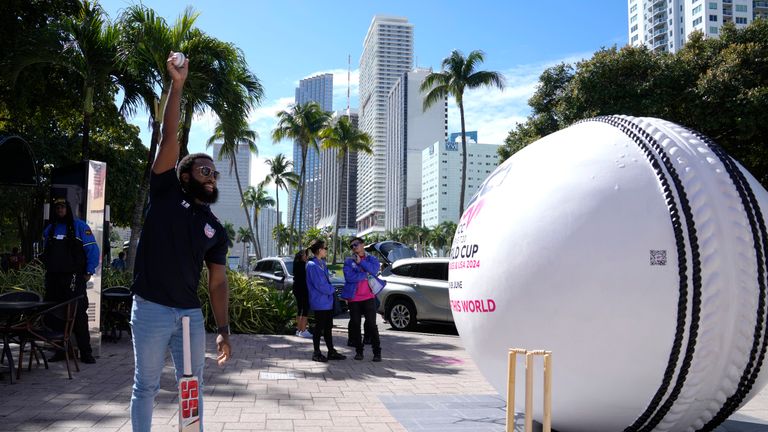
305 334
298 333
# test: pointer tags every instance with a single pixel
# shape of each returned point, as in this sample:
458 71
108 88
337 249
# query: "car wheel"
402 315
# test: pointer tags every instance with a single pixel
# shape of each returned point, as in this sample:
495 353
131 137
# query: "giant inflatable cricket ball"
635 250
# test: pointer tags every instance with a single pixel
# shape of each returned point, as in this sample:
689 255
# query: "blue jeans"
155 329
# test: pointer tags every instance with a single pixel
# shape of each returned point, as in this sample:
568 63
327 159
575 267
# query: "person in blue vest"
71 255
321 294
361 300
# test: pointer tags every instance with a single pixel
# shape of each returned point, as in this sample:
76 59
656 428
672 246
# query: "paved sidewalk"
426 382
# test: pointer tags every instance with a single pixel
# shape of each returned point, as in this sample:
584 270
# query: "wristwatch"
223 330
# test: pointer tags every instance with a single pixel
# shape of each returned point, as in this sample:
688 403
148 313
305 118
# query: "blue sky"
288 40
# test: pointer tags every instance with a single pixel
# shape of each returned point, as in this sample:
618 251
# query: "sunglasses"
355 244
207 171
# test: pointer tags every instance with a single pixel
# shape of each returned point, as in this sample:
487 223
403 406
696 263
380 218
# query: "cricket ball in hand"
178 59
633 249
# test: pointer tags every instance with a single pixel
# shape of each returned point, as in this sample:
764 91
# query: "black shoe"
377 357
58 356
359 356
319 358
87 358
335 355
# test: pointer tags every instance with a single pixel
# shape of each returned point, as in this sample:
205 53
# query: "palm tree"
258 199
229 228
146 41
346 139
442 236
86 44
233 133
281 175
458 74
421 233
282 235
408 235
220 80
244 237
303 124
310 235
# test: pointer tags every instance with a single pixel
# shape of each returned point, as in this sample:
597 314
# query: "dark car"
277 272
416 290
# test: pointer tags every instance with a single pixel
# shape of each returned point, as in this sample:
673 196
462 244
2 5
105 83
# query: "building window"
633 9
741 20
740 8
696 10
634 29
697 21
634 39
713 29
712 5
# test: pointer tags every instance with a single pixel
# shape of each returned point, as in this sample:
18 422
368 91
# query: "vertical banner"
96 182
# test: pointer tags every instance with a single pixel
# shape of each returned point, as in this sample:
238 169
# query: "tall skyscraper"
268 218
387 54
665 25
441 180
330 173
315 89
228 208
410 130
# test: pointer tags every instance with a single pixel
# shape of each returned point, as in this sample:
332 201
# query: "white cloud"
269 112
492 112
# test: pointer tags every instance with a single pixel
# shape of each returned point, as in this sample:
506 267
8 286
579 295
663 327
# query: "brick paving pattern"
426 382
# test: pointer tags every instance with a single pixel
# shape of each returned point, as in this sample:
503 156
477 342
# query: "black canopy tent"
18 162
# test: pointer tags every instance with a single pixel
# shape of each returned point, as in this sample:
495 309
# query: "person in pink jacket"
360 298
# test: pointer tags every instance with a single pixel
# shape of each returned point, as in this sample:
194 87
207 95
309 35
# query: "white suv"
416 290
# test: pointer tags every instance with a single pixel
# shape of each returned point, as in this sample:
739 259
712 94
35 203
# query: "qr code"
658 257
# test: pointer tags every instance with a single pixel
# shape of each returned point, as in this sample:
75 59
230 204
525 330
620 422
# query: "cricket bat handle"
185 346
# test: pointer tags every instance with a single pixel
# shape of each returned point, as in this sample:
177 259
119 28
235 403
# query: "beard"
197 190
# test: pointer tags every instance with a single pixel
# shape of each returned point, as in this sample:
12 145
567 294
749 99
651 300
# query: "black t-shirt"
177 236
300 277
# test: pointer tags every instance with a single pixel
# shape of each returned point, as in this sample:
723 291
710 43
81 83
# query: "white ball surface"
572 245
178 59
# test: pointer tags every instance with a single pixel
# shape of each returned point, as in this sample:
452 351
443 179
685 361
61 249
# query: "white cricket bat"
189 415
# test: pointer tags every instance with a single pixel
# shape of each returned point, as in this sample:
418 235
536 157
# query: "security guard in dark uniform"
70 255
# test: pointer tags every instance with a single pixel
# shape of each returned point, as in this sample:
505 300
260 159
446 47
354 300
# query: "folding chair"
9 336
35 329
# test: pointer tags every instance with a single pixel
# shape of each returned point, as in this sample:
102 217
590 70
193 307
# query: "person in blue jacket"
362 301
71 255
321 294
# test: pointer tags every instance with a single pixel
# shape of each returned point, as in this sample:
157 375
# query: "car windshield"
289 267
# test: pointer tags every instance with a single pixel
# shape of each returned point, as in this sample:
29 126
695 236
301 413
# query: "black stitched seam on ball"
755 217
682 304
695 276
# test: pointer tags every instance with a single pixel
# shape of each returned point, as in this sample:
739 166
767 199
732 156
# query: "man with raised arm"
179 233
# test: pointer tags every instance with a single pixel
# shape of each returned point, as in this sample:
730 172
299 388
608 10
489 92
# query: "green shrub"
31 277
112 278
253 307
